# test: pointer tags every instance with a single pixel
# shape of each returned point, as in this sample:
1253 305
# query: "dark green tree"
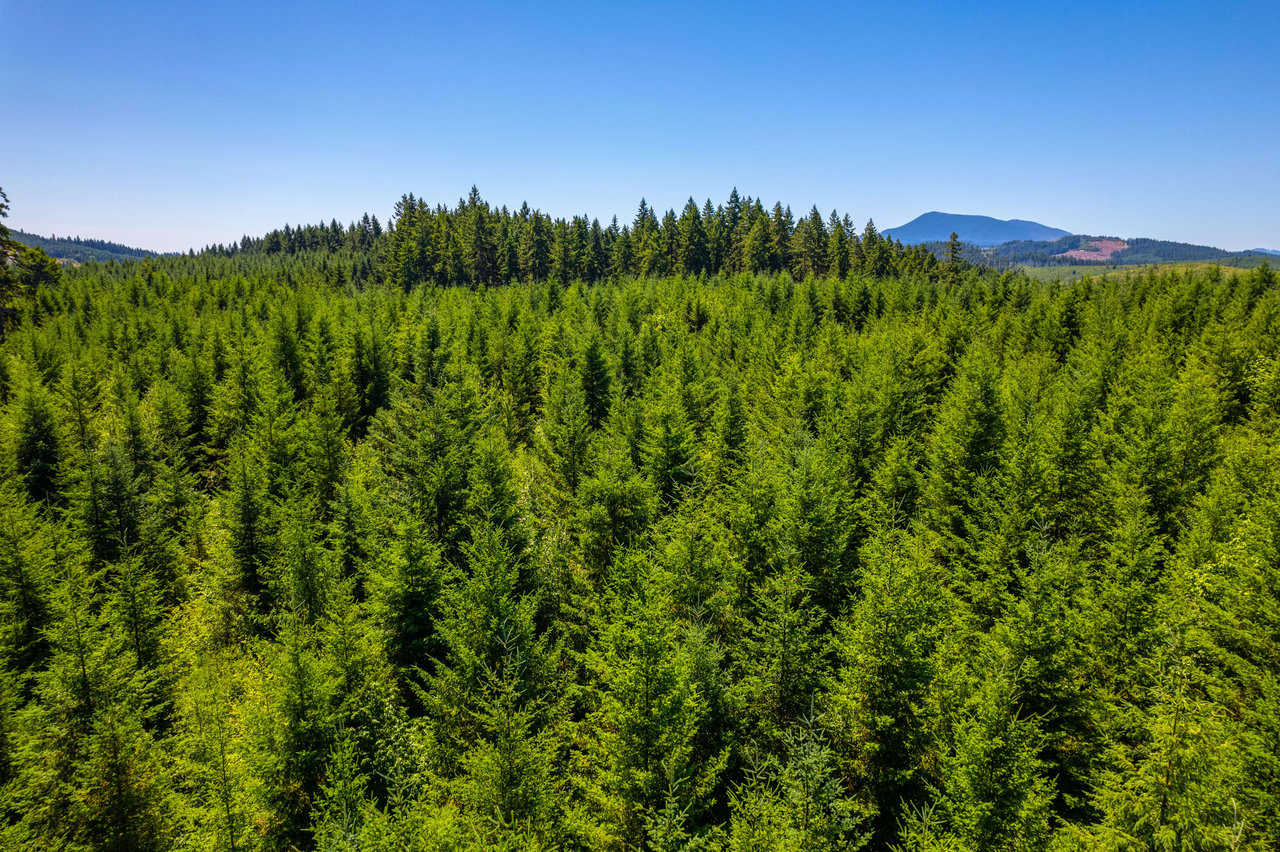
595 382
38 456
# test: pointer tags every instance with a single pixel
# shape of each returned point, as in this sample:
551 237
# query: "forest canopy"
715 530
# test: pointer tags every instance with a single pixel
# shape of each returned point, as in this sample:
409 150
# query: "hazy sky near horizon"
169 126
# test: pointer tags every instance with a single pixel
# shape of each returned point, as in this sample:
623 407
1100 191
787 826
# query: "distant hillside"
976 230
82 251
1083 250
1100 252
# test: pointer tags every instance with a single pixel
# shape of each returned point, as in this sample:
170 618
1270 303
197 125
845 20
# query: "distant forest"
1141 251
714 530
81 251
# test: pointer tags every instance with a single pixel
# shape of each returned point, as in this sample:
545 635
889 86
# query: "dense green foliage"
302 549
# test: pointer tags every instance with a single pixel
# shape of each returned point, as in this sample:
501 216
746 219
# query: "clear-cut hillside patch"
1096 250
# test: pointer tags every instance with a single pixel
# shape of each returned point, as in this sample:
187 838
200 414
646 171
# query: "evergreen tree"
781 224
880 710
995 796
595 382
796 802
694 251
564 439
757 253
646 720
782 654
669 453
838 254
38 457
535 249
964 453
26 576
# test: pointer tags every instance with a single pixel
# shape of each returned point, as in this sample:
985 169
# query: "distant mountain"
1271 252
980 231
81 251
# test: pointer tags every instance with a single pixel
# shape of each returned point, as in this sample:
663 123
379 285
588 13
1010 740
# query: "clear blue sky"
170 125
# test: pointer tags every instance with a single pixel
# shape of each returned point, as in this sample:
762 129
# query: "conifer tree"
782 654
26 579
293 733
995 795
564 438
646 720
617 503
879 707
1176 785
781 224
694 253
213 765
756 252
38 456
963 456
595 382
622 259
245 514
838 254
797 801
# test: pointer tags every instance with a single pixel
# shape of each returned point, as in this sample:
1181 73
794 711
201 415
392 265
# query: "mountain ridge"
982 231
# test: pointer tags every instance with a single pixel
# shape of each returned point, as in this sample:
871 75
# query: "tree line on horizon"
301 550
474 244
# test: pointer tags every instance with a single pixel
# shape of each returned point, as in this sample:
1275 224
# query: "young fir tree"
595 382
795 801
879 707
646 718
38 457
993 794
782 652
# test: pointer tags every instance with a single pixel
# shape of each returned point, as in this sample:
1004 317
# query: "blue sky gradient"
169 126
